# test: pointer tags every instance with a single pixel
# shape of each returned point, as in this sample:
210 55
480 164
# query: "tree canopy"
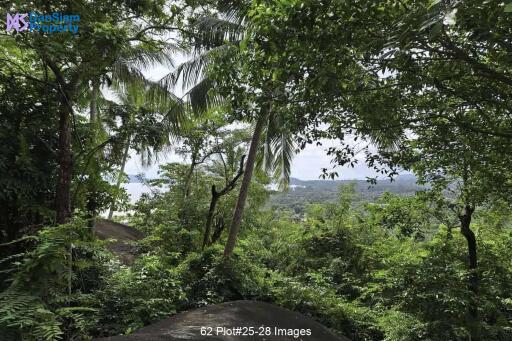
236 89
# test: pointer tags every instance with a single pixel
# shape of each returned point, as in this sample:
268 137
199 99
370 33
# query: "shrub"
213 279
135 297
49 297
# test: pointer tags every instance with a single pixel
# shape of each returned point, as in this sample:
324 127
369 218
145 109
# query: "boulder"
222 321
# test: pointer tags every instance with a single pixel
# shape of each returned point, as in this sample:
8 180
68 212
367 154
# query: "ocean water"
135 190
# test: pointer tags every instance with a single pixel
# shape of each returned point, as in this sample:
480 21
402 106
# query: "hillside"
304 192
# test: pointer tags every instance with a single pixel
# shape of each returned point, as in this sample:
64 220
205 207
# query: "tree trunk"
120 176
465 228
186 191
92 183
63 194
244 188
219 227
93 105
63 191
209 219
215 198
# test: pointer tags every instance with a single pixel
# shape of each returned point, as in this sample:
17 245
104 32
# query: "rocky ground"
220 322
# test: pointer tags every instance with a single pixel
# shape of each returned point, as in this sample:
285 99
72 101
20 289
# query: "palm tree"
135 91
220 37
164 129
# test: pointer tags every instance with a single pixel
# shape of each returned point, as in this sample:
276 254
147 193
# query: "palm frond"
133 88
276 152
383 138
234 10
192 71
284 151
124 73
267 163
188 73
199 91
213 32
203 97
142 58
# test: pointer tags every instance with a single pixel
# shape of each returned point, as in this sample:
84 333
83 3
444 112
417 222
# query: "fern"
38 306
24 317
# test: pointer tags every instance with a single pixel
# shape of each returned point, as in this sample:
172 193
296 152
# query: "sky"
307 165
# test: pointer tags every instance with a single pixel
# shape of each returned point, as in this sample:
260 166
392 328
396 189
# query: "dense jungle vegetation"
422 86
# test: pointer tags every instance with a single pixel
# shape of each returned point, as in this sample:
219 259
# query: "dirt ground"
218 320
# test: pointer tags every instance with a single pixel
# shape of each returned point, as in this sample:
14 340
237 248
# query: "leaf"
508 8
433 3
436 29
243 45
426 24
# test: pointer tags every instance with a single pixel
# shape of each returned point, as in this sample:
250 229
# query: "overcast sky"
306 166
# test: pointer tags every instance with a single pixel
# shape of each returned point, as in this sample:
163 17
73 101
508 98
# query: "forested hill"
303 192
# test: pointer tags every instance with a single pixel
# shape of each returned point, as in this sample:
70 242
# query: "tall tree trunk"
63 191
209 218
120 176
188 179
92 204
473 285
219 227
63 194
93 105
244 188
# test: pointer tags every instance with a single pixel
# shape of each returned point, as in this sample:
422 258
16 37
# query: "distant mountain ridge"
304 192
401 178
132 178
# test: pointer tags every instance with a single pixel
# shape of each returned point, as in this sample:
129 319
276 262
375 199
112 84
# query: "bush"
210 278
49 297
135 297
320 302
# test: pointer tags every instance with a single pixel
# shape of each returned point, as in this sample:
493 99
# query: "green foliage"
423 85
211 278
26 317
408 328
312 296
355 270
403 216
306 192
26 158
133 297
49 297
176 221
346 266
